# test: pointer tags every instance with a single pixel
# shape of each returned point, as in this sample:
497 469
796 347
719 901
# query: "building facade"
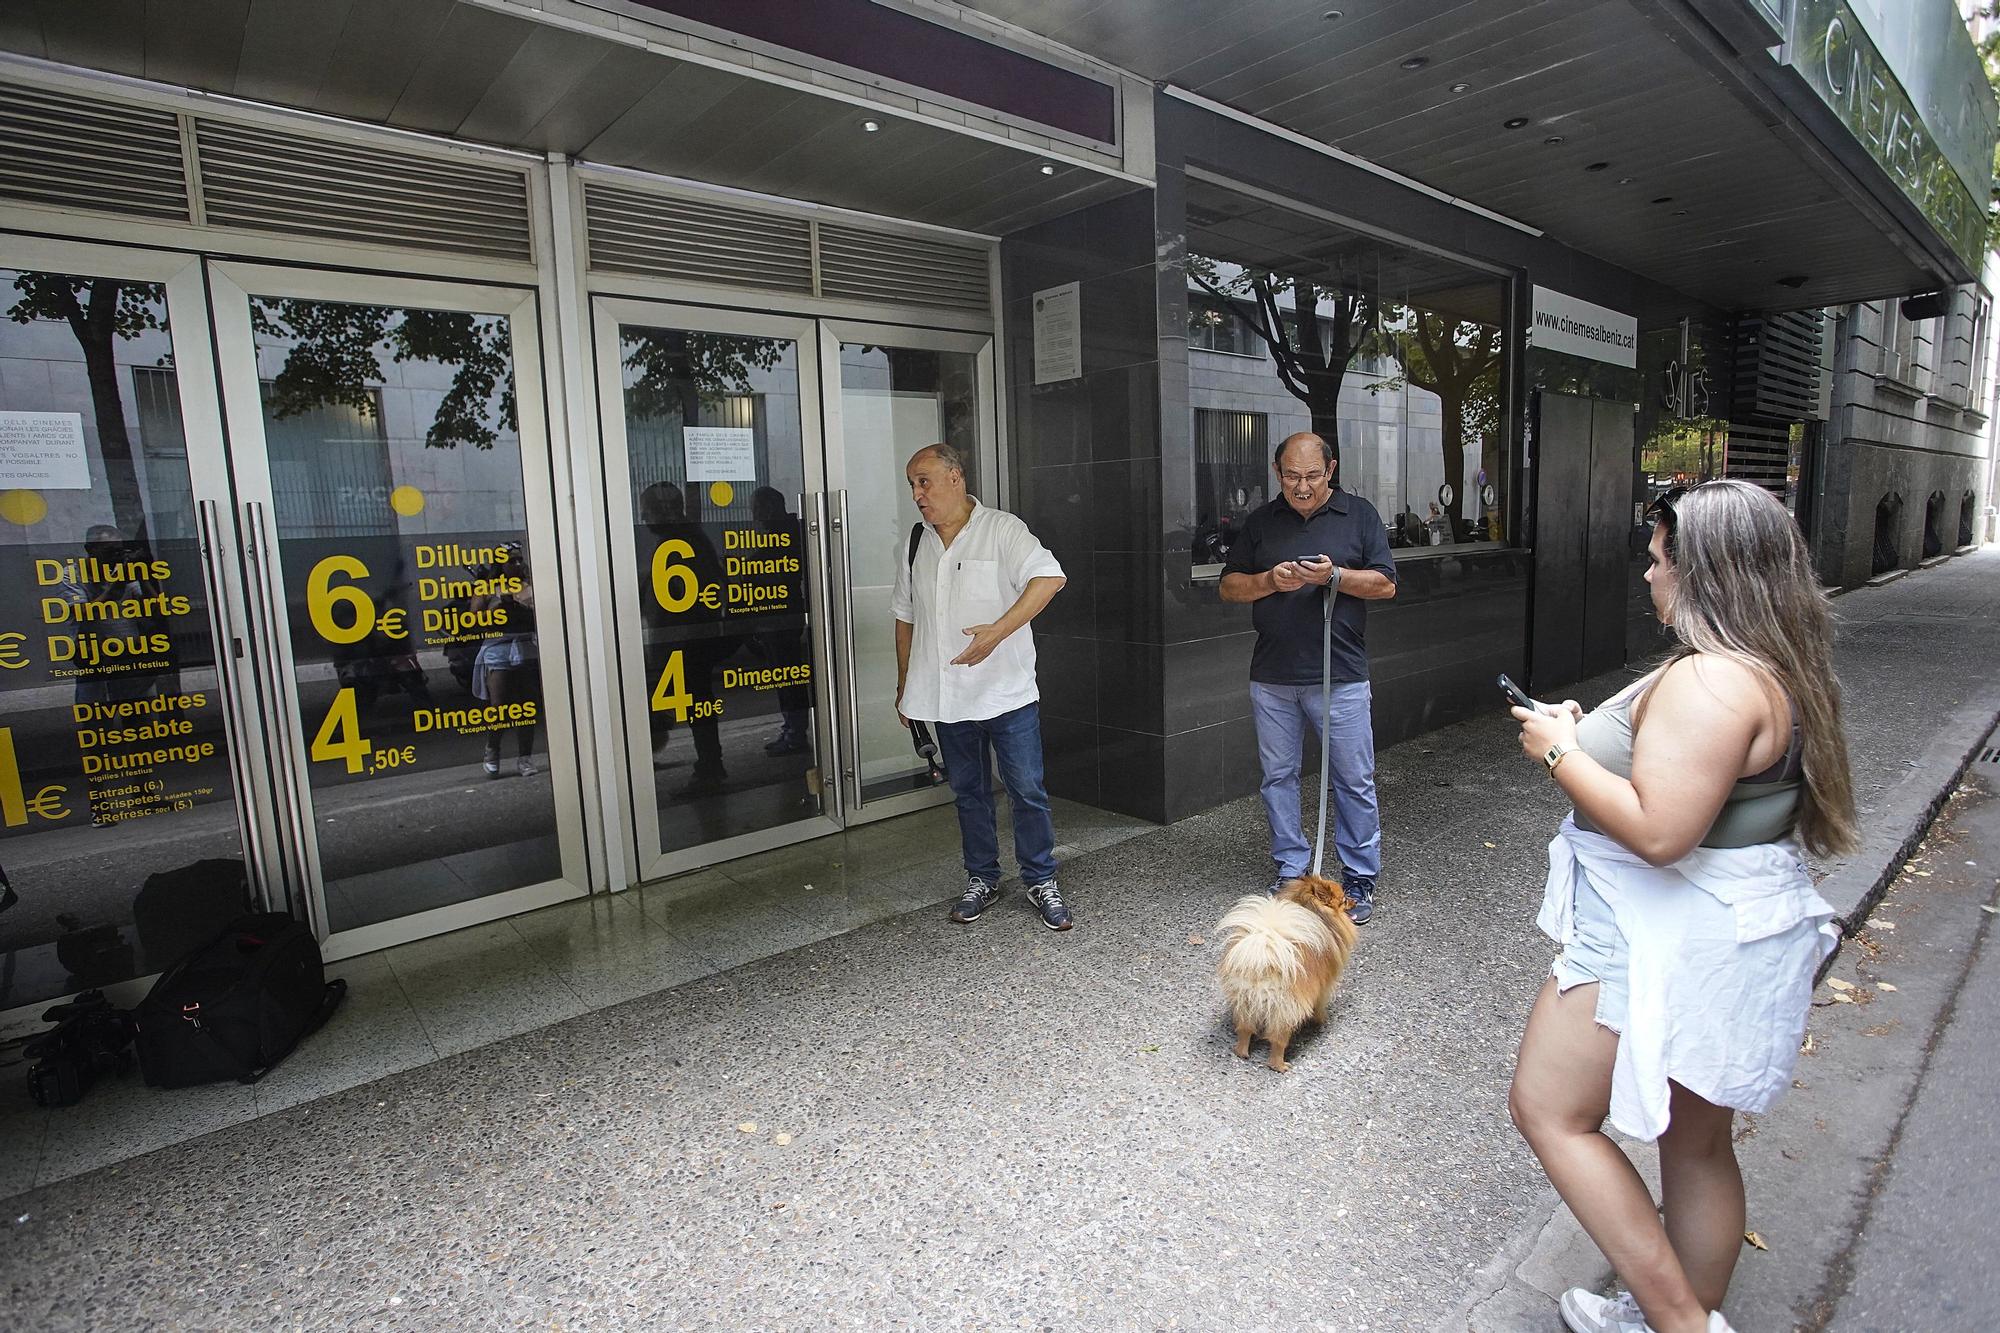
450 453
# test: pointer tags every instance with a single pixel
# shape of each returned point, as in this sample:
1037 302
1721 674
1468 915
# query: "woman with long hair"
1690 930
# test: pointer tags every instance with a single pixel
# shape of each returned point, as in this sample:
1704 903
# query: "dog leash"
1326 716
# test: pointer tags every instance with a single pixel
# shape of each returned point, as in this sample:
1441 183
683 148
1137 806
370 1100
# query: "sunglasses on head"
1662 508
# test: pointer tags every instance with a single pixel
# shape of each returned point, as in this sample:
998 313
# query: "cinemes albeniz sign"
1840 62
1563 323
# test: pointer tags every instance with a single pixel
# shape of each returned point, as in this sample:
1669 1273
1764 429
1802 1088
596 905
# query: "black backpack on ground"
177 911
237 1005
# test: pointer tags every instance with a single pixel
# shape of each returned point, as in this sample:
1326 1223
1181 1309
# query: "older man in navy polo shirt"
1314 541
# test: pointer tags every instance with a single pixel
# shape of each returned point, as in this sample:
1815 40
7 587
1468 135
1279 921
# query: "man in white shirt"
965 660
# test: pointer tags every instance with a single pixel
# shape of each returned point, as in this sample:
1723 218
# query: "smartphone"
1517 695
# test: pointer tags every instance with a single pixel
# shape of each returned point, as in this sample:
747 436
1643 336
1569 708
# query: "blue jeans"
1016 738
1281 713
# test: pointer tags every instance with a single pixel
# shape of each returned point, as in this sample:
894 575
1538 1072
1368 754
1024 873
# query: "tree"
1460 362
678 370
332 357
1989 57
100 312
1311 353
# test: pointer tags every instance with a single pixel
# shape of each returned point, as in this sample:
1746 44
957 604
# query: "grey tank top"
1760 808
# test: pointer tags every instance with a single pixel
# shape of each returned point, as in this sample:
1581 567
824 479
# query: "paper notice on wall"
1058 334
720 453
43 451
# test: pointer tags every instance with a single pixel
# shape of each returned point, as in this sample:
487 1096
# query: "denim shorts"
1595 951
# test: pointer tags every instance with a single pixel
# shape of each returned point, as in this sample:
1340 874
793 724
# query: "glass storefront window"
1396 357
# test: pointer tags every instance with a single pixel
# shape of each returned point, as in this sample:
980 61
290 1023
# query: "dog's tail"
1265 944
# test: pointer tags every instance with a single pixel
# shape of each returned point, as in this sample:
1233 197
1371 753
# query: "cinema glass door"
754 475
127 795
403 596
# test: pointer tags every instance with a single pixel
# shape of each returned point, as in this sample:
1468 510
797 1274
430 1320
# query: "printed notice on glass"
1058 334
720 453
43 451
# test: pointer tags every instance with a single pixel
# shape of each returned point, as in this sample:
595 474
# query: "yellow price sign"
676 587
339 735
15 804
323 596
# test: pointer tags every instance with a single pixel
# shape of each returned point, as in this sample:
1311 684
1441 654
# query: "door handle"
819 527
846 590
222 624
261 555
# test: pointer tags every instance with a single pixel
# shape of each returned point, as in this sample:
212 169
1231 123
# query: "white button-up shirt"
974 582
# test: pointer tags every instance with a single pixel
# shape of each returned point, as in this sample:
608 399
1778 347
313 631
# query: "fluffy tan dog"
1281 958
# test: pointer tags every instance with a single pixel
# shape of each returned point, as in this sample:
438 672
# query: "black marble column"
1085 456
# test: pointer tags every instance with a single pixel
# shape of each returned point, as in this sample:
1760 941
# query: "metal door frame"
231 285
638 813
833 333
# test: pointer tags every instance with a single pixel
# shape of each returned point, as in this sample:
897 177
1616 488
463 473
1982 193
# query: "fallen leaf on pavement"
1806 1046
1494 845
1149 1049
1194 939
1990 911
1837 984
1840 998
782 1140
1881 925
747 1127
1883 985
1752 1238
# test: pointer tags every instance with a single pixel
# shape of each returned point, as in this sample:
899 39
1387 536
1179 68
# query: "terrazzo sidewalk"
913 1124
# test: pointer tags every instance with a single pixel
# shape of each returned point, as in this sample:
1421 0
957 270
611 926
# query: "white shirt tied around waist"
974 582
1704 1012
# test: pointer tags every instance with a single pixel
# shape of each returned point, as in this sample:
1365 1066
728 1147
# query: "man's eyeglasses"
1302 478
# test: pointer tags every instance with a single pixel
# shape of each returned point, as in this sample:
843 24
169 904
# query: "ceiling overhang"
594 83
1634 131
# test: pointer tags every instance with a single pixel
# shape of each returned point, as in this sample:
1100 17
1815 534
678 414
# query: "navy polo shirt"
1345 528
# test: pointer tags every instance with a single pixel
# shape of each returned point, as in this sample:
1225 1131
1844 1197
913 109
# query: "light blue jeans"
1282 713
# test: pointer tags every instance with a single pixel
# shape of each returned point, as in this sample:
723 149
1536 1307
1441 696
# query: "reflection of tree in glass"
100 312
331 357
1459 361
1310 350
677 371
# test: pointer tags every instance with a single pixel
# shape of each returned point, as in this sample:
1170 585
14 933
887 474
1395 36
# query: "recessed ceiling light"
1516 123
1553 140
1461 87
1048 168
1416 62
1331 15
870 126
1597 166
1664 199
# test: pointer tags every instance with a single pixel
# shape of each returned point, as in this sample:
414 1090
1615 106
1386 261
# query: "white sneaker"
1587 1312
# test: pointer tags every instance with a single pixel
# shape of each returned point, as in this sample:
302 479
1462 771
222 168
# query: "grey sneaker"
1360 900
1048 900
972 904
1587 1312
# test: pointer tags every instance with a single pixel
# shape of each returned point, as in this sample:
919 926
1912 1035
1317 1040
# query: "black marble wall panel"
1085 460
